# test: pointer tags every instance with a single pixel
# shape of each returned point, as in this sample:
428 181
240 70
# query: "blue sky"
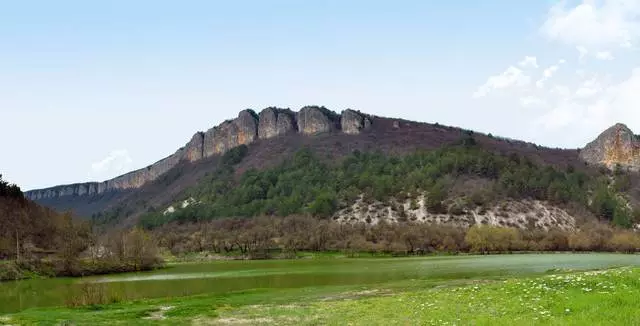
91 90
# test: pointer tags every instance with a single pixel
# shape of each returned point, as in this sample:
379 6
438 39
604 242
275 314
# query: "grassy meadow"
563 289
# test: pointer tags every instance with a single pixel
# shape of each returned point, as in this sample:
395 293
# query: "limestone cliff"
244 130
193 151
315 120
232 133
353 122
615 146
274 122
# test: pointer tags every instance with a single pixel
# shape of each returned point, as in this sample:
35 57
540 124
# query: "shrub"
91 295
624 241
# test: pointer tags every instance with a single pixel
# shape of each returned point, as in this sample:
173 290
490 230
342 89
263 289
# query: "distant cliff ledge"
245 129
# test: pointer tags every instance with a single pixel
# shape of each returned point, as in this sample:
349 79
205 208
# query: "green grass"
587 298
575 298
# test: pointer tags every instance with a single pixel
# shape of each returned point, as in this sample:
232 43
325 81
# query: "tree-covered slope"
307 184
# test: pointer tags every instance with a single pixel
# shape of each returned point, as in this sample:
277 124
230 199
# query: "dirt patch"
159 314
243 321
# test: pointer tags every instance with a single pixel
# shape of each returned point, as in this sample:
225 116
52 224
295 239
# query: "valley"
254 217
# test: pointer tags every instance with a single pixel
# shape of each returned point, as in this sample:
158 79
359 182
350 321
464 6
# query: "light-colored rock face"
208 146
230 134
525 214
268 125
615 146
275 122
193 151
313 120
353 122
286 123
243 130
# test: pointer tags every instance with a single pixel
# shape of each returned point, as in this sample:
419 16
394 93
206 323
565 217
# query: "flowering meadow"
608 297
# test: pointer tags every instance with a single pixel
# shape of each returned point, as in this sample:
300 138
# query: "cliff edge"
247 128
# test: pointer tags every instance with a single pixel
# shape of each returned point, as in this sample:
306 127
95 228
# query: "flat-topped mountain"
274 136
245 129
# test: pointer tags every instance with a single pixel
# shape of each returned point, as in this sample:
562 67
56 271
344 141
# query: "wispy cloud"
117 162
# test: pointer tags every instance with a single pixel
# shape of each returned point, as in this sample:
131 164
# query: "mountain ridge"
273 135
245 129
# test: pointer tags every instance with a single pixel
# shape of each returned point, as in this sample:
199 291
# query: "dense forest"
307 185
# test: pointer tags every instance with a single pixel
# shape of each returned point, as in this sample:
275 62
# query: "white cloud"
116 163
529 62
604 55
532 101
589 88
605 106
594 24
558 117
509 78
547 74
582 53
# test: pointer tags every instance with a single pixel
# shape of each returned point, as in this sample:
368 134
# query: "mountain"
247 128
271 139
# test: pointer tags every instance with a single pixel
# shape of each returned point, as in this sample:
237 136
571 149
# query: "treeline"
261 237
305 184
8 190
39 241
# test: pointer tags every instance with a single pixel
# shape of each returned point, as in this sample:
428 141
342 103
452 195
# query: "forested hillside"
40 241
391 137
28 229
307 185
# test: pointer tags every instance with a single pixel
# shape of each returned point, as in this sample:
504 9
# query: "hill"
28 229
254 150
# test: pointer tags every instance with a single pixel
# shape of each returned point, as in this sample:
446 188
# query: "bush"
91 295
625 241
484 239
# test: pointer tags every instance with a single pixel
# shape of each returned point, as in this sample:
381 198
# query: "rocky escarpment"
232 133
353 122
247 128
274 122
314 120
615 146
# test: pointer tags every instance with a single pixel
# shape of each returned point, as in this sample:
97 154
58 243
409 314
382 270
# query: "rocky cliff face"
193 151
315 120
615 146
245 129
353 122
274 122
232 133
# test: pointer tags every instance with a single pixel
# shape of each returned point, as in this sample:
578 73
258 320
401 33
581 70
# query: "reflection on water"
226 276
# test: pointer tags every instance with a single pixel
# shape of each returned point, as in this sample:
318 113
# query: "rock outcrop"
232 133
244 130
193 151
615 146
353 122
315 120
274 122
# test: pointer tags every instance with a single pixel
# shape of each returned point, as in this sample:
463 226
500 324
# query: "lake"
222 277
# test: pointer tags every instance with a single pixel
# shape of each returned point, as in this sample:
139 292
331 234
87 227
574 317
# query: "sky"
92 89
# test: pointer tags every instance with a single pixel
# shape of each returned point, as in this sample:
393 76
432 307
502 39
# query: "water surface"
222 277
